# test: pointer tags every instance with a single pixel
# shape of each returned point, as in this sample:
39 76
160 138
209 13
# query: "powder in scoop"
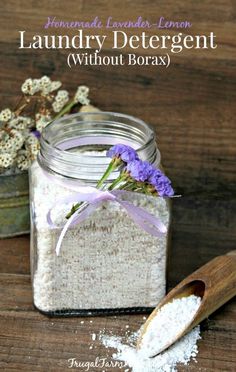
172 319
168 322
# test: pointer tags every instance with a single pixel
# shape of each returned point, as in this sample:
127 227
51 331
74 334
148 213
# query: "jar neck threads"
75 146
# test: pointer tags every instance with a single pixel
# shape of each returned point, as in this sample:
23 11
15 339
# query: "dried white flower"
3 135
6 160
6 115
21 123
17 139
23 163
57 106
32 146
83 100
45 81
62 96
61 99
83 89
30 86
81 96
16 135
23 160
33 150
11 142
42 121
7 146
55 85
45 85
31 139
37 83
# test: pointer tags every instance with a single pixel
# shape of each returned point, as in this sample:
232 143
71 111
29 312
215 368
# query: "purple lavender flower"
36 133
161 183
124 152
140 170
155 176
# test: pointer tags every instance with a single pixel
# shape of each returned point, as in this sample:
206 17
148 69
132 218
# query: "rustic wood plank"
211 103
32 341
14 255
16 292
192 108
219 16
198 125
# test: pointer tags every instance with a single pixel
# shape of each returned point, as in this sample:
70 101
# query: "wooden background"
191 104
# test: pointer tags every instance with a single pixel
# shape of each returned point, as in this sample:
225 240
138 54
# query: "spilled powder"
94 336
170 320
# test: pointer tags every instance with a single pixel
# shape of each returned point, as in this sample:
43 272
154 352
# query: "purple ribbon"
93 198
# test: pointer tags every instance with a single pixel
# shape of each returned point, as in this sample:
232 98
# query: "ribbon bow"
93 198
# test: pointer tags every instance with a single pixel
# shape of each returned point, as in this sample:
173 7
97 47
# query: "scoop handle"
218 278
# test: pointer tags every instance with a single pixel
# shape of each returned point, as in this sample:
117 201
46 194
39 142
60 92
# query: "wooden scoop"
214 282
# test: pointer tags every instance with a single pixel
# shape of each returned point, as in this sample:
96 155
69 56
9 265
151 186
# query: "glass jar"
107 264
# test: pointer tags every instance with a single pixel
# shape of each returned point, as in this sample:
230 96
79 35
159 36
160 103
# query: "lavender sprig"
135 175
155 180
161 183
139 170
123 152
121 155
141 176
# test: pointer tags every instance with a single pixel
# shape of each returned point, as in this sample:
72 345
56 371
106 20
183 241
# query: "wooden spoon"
214 282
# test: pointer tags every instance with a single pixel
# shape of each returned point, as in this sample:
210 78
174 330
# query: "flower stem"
21 108
116 182
75 208
65 109
111 167
116 162
128 186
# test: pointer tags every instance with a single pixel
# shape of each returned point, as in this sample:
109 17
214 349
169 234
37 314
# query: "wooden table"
30 341
192 107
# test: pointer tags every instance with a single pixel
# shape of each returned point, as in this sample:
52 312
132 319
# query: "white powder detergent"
172 319
105 262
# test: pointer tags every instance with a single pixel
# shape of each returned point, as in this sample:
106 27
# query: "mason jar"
107 264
